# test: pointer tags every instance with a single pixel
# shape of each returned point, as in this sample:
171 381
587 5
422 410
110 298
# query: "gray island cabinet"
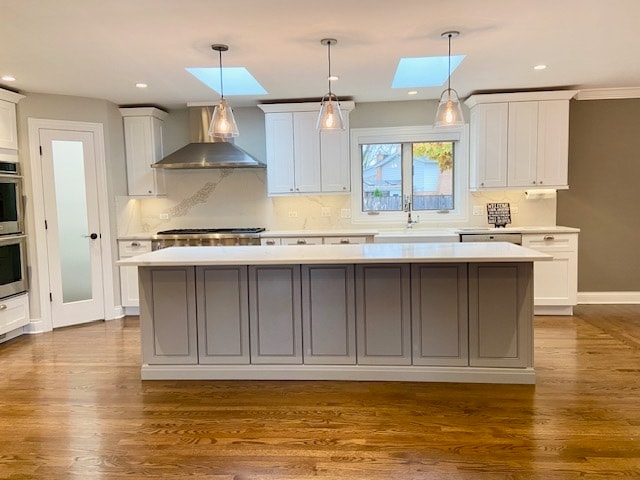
454 312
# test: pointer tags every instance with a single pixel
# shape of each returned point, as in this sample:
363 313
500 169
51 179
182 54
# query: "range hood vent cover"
204 152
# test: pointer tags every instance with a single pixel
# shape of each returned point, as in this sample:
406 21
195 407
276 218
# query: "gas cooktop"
209 231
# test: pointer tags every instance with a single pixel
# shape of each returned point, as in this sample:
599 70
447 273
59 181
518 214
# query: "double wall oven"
13 243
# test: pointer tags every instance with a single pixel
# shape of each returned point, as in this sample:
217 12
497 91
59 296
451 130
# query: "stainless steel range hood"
205 152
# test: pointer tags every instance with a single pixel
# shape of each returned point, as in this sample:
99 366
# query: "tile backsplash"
238 198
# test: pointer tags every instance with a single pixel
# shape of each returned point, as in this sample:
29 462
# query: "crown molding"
608 93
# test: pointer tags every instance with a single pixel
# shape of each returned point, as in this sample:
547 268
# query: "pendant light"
449 112
330 117
223 125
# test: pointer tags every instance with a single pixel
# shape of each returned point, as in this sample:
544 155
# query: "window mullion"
407 171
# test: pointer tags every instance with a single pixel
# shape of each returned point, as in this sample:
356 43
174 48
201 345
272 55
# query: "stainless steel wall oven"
11 221
13 265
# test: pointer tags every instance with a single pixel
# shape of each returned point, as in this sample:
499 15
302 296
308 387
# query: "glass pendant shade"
449 112
223 124
330 117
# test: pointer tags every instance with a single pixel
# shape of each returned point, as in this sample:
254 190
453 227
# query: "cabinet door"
553 143
301 241
334 160
500 315
328 314
143 143
14 313
275 314
383 314
522 144
279 144
223 315
306 147
168 315
8 126
129 286
345 240
439 314
488 145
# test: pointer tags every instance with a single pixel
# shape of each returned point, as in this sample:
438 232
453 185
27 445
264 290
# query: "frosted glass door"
73 238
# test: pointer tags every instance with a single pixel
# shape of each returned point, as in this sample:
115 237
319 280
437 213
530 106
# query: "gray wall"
604 174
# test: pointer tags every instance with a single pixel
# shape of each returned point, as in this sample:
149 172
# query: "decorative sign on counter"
499 214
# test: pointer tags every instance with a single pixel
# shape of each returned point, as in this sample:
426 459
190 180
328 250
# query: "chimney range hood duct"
207 152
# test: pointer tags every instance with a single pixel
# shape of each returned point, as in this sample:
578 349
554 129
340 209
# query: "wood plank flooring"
72 406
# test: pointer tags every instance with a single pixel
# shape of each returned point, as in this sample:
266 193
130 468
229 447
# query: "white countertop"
338 254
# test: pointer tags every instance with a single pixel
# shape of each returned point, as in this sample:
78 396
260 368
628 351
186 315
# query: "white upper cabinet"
300 159
520 140
8 125
143 145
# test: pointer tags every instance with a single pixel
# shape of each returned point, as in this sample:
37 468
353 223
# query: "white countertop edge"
369 253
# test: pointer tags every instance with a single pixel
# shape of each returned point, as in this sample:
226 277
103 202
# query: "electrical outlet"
515 209
478 209
293 214
164 216
326 211
345 213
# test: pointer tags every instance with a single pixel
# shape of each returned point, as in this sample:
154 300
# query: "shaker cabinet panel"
8 125
223 315
328 312
275 314
168 309
383 314
439 314
489 145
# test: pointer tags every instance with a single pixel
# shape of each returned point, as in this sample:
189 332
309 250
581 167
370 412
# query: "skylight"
237 80
424 71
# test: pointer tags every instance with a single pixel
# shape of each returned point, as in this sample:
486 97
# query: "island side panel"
501 314
223 315
328 314
275 315
439 314
383 314
168 315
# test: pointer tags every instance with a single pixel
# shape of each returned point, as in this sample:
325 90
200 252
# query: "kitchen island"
446 312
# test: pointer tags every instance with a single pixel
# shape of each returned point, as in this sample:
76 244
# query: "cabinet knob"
482 184
540 182
297 189
301 241
549 237
3 307
344 188
291 189
534 182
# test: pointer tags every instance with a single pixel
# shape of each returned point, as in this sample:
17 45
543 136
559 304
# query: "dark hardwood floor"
72 406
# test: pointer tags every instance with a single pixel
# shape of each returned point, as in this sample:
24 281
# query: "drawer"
270 241
14 313
129 248
551 241
301 241
344 240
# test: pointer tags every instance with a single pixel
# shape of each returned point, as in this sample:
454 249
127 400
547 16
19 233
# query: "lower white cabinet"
555 287
301 241
130 298
316 240
500 315
14 313
383 314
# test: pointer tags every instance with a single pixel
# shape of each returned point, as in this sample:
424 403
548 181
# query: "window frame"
412 134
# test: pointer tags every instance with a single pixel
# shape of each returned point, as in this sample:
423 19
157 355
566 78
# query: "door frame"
39 269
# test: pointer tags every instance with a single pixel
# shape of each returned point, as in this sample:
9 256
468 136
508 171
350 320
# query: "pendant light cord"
329 61
221 87
449 79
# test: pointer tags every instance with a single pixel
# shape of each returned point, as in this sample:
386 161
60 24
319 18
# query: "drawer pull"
549 237
345 240
3 307
270 242
301 242
135 244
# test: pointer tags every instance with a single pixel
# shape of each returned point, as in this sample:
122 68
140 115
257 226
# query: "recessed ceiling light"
540 67
8 78
412 92
141 85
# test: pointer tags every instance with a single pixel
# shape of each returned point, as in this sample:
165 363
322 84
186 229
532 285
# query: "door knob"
92 236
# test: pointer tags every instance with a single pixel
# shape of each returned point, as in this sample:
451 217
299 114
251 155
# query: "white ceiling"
101 48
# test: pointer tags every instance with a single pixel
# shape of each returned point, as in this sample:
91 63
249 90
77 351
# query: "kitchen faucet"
407 208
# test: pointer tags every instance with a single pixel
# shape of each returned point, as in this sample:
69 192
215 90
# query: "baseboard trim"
608 297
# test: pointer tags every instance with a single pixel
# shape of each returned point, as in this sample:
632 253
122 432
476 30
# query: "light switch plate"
326 211
345 213
478 210
293 214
